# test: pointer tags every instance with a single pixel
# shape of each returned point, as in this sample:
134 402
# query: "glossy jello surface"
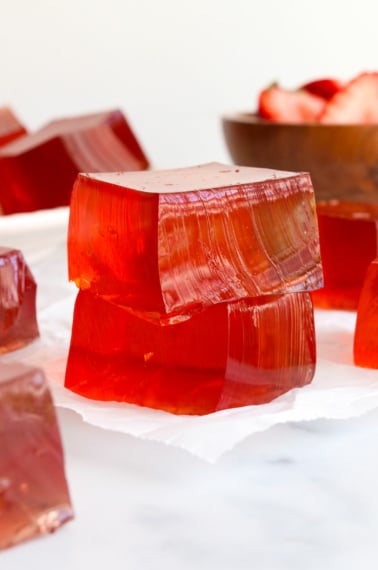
34 497
18 320
37 171
366 332
171 242
10 126
230 354
348 243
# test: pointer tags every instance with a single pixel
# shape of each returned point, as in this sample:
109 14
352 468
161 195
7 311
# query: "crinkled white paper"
339 389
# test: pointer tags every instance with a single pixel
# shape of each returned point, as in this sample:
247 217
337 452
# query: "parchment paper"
339 389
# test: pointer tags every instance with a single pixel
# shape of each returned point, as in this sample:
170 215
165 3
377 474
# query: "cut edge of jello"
34 495
193 214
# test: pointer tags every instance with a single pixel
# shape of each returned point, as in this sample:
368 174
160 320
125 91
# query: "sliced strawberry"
356 103
325 88
286 106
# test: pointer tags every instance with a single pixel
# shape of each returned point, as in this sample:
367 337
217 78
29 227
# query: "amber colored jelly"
231 354
18 321
37 171
34 496
366 332
10 126
168 243
348 243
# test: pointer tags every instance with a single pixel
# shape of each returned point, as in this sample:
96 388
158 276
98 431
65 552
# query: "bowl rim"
252 118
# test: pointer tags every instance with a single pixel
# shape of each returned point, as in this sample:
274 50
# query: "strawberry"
325 88
286 106
357 102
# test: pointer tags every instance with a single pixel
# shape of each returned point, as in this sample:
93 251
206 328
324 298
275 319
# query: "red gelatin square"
366 333
230 354
34 497
167 243
18 321
348 243
10 126
38 170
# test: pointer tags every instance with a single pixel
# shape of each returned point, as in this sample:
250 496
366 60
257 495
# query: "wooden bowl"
341 159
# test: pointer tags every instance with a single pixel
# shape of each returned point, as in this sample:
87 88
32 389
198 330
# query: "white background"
172 66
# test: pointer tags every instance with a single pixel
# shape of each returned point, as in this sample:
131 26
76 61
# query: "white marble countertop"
299 495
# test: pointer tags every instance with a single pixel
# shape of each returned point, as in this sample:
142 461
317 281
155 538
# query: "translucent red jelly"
348 243
366 333
37 171
193 286
10 126
228 355
18 321
167 243
34 497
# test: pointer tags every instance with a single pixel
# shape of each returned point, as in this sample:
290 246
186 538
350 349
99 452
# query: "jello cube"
171 242
230 354
34 497
18 321
10 126
348 243
366 333
38 171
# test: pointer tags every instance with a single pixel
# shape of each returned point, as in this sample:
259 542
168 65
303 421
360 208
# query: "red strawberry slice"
286 106
325 88
356 103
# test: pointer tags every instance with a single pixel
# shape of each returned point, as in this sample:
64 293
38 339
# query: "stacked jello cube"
194 286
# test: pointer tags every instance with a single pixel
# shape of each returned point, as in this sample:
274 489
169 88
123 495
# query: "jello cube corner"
18 318
10 126
37 171
348 243
34 495
366 332
228 355
169 243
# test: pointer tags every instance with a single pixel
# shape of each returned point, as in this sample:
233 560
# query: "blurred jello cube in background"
366 333
37 171
348 243
34 496
10 126
18 320
194 286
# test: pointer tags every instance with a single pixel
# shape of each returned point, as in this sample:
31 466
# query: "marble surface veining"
297 496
